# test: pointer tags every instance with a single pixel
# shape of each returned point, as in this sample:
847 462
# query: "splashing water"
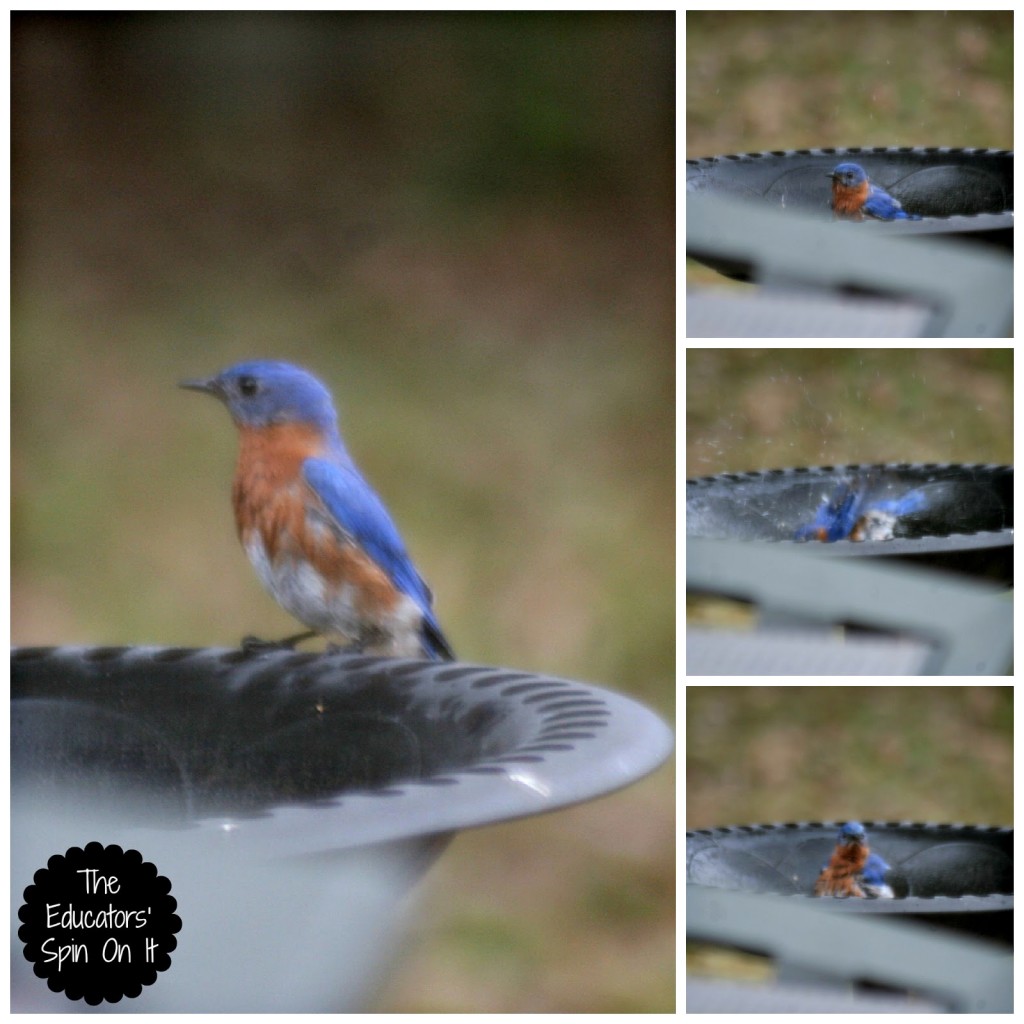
848 513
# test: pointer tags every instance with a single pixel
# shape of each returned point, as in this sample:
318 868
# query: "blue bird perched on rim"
319 537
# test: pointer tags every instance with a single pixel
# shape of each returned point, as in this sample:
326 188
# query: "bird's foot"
254 645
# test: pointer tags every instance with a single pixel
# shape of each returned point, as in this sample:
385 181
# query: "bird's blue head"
263 392
850 175
852 832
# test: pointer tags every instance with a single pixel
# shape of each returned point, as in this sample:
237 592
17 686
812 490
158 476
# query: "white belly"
334 607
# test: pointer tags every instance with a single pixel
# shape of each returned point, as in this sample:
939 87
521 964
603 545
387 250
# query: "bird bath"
962 193
291 799
963 520
958 876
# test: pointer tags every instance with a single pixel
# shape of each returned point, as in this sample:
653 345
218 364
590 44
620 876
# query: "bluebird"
849 514
319 537
872 878
854 195
841 875
836 515
879 520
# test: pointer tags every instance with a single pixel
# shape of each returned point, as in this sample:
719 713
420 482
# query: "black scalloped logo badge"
99 923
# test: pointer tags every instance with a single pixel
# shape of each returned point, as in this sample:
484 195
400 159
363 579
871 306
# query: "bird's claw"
254 645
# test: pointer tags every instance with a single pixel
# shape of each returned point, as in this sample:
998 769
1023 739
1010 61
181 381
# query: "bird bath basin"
940 182
953 875
961 193
957 516
291 799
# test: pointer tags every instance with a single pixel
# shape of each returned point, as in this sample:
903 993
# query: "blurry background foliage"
776 80
464 224
762 754
768 409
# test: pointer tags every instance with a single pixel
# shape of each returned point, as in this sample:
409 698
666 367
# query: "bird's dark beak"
211 385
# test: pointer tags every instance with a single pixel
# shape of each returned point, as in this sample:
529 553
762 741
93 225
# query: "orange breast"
847 201
271 496
268 479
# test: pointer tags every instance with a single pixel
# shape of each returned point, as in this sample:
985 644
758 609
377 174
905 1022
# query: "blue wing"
873 878
875 868
883 206
835 516
361 516
912 501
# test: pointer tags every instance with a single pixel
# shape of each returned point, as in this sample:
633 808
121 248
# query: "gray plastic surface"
812 944
968 625
968 291
292 800
309 753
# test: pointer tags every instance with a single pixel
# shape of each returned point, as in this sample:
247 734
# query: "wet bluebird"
320 539
875 524
849 514
879 520
872 878
855 196
836 516
841 875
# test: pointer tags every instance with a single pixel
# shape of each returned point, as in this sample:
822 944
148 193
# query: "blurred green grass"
445 217
768 409
771 80
820 753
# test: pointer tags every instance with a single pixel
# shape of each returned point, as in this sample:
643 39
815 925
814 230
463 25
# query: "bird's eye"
248 386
